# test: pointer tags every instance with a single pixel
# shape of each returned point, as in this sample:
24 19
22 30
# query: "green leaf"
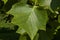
23 20
30 19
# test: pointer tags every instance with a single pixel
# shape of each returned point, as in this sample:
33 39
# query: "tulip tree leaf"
30 19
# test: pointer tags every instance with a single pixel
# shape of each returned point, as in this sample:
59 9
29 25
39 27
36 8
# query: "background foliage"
29 19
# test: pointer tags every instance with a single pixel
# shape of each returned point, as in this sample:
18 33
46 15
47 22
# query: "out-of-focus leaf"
55 4
7 25
51 28
5 1
59 18
1 4
9 4
57 36
43 35
9 36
